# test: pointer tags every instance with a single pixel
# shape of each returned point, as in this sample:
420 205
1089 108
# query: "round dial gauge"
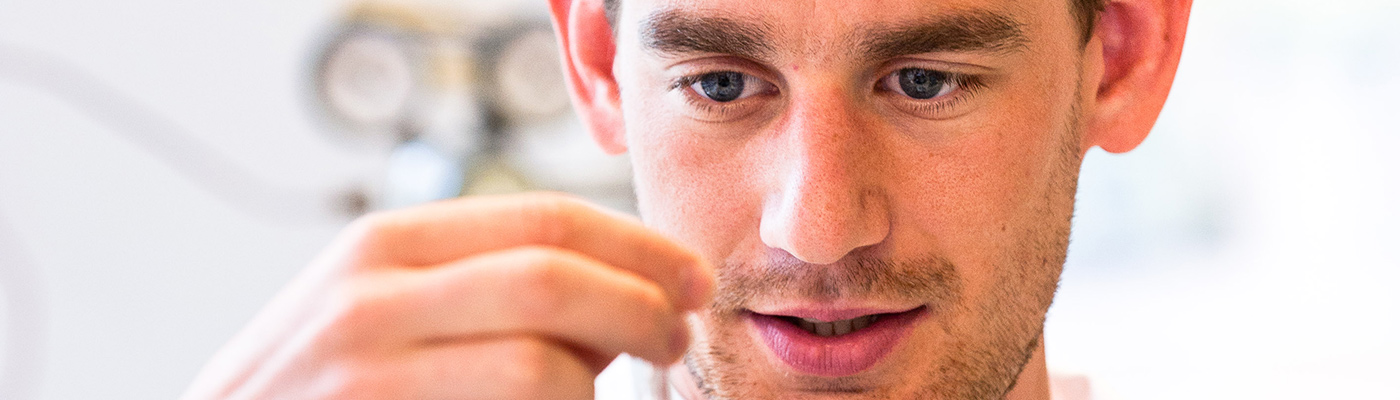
367 80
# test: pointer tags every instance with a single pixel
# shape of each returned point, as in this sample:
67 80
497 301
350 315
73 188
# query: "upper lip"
828 314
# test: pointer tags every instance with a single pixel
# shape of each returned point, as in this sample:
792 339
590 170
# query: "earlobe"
1138 46
587 48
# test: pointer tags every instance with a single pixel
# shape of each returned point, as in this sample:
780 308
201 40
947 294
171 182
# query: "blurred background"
166 166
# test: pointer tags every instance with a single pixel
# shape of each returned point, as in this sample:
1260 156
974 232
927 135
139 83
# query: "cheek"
697 191
967 199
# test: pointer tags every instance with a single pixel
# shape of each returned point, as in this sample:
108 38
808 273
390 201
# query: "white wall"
142 271
1248 249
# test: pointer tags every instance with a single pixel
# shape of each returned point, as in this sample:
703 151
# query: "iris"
722 86
920 83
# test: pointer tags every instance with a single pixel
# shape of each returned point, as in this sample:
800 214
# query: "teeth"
861 322
835 328
842 327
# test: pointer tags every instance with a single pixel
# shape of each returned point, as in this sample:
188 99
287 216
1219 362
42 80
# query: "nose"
826 199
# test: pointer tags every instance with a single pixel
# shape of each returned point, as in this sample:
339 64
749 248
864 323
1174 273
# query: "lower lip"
834 356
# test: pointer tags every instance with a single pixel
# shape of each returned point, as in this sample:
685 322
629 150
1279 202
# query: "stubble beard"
982 359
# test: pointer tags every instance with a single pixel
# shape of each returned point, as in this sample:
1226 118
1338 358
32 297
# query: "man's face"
900 173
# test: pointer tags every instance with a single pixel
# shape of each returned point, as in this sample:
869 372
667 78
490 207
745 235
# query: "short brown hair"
1086 13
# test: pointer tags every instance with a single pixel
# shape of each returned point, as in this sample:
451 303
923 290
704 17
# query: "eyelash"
966 87
686 81
706 106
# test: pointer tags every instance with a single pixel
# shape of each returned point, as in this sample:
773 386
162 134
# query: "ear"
1132 61
587 48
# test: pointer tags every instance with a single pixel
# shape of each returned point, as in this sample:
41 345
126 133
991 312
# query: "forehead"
813 23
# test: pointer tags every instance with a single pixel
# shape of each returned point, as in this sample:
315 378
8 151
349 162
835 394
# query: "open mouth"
825 324
834 343
833 328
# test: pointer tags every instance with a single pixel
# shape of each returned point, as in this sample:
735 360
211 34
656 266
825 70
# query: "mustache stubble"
930 280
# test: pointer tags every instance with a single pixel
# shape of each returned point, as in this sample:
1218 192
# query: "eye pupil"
722 86
920 83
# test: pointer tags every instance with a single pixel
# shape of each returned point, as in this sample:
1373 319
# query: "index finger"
445 231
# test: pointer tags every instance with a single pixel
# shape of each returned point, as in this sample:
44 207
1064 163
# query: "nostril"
815 257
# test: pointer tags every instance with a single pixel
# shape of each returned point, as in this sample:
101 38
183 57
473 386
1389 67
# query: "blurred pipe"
22 360
203 165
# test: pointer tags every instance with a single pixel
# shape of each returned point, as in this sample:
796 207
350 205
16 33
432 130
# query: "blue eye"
921 84
721 86
727 86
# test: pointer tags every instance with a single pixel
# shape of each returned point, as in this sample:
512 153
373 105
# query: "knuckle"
356 306
557 200
541 281
371 234
550 214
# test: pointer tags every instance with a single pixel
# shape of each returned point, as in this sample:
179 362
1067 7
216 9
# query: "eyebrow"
677 32
966 31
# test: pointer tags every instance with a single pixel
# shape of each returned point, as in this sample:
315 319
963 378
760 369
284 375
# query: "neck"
1034 381
1032 384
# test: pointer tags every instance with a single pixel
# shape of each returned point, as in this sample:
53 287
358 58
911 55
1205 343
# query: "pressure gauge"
446 89
366 81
